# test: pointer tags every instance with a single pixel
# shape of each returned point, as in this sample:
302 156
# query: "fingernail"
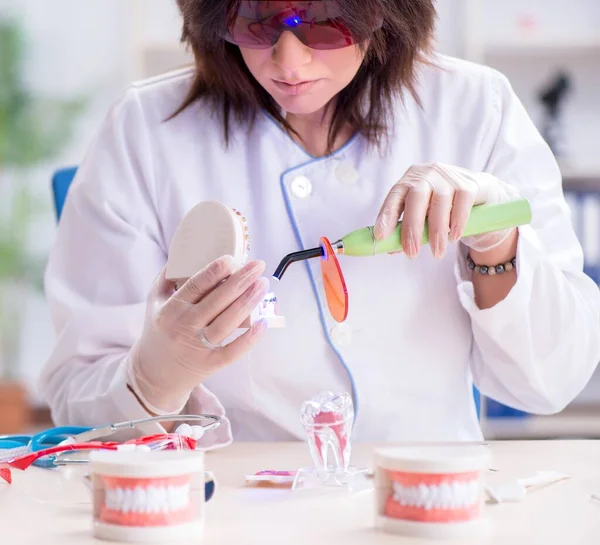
381 227
455 233
412 247
253 268
439 246
262 286
259 327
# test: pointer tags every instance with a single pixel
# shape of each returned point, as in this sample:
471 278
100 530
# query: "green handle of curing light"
484 218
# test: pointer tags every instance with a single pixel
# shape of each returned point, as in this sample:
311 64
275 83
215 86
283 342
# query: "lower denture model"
431 492
146 497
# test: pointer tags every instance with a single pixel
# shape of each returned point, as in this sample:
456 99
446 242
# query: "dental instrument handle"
483 218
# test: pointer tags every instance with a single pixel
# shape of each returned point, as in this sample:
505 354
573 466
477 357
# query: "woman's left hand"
444 195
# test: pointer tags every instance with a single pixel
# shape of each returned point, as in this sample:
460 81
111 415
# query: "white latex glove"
444 195
177 350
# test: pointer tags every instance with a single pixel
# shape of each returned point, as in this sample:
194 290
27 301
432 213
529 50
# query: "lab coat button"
341 334
301 187
346 173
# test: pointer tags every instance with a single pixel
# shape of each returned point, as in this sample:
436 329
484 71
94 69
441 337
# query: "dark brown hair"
403 39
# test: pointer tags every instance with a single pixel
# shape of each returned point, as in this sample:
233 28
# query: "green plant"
33 129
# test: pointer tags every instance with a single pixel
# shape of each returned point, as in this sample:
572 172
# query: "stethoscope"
24 444
64 441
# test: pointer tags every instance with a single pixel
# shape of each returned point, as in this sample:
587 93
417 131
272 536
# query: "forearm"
536 349
491 289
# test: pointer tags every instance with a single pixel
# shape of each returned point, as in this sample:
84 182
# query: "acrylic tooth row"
152 499
453 495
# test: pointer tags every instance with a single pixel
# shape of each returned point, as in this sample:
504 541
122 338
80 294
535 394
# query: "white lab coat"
414 340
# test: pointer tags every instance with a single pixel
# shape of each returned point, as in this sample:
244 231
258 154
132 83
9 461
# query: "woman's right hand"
171 358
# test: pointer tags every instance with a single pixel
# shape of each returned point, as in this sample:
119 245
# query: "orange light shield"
333 282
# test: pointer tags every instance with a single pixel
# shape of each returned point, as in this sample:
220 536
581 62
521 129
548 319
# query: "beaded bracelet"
492 270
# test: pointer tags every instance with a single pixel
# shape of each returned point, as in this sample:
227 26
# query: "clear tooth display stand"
328 419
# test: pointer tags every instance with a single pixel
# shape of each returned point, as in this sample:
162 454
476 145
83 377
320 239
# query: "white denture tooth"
119 498
460 494
127 502
435 496
409 497
423 494
399 493
449 496
429 500
170 495
140 500
414 497
151 500
133 505
163 501
444 496
156 500
166 506
456 495
406 496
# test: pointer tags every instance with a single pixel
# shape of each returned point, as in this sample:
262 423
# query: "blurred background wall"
91 50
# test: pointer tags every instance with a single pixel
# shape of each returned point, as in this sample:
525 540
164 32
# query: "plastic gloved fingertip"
379 232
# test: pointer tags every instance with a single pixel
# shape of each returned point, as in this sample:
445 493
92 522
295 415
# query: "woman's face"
300 79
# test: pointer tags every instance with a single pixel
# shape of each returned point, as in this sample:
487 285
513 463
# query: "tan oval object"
209 230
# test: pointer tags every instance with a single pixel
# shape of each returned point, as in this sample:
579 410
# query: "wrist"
504 252
149 392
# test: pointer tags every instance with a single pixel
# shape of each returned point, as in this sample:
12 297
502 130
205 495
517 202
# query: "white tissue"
515 491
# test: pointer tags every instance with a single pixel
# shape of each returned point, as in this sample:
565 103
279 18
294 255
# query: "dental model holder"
328 419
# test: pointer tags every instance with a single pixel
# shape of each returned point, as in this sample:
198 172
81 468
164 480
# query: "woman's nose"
290 53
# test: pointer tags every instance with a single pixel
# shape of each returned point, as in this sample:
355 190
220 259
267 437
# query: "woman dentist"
317 118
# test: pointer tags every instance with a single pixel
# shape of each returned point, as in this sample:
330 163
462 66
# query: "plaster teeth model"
144 497
208 231
431 492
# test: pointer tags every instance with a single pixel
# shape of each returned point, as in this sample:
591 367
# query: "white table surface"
562 514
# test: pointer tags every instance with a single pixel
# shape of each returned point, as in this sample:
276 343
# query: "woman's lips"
298 88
